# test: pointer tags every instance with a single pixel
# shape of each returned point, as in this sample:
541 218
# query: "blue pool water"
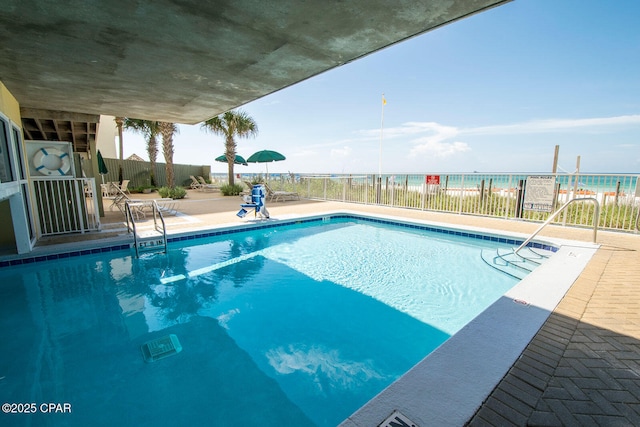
295 325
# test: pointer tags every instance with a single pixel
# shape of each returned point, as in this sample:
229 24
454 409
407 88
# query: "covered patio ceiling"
46 125
184 61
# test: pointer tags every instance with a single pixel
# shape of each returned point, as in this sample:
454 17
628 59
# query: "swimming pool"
280 324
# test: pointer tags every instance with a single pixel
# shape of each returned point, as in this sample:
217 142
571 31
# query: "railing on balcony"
495 195
65 205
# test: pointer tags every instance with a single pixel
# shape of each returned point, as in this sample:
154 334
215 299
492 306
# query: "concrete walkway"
583 366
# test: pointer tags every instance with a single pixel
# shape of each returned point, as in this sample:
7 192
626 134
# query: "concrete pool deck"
581 368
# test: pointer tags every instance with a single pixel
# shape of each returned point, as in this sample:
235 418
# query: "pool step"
516 265
150 240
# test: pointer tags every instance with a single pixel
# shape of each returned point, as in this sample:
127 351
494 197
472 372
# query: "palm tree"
167 130
230 125
150 130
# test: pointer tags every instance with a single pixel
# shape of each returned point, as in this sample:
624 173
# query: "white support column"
20 225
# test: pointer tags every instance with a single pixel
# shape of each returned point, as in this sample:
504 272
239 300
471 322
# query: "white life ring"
51 161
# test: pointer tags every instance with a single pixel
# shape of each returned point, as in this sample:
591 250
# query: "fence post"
506 211
556 196
461 195
78 193
519 198
406 190
481 204
344 188
443 198
366 189
324 190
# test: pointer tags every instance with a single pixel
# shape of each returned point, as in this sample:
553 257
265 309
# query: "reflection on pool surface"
295 325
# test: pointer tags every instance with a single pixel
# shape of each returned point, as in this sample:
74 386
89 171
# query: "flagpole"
384 101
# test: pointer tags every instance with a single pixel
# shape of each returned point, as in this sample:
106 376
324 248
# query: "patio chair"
124 187
106 190
276 196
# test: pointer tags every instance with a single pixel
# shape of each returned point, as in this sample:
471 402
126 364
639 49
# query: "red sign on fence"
432 179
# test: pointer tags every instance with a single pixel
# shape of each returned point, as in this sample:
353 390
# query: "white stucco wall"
106 139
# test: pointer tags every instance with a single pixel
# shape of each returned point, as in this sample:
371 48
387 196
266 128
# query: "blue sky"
495 92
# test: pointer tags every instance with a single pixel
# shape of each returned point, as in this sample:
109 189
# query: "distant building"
135 157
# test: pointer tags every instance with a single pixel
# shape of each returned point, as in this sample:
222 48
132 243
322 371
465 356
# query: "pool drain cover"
397 420
160 348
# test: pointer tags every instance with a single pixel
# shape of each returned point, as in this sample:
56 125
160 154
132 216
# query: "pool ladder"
152 240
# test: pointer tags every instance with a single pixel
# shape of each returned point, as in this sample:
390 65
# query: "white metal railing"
65 205
495 195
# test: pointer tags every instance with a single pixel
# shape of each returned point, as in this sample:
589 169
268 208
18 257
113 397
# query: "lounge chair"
276 196
167 206
139 207
113 193
204 185
195 185
120 199
249 188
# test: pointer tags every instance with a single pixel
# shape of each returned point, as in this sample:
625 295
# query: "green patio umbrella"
239 160
102 167
265 156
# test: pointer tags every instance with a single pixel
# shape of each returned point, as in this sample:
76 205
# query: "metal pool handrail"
163 230
596 219
132 227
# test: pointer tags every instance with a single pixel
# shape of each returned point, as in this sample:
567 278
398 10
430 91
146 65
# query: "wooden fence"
138 172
